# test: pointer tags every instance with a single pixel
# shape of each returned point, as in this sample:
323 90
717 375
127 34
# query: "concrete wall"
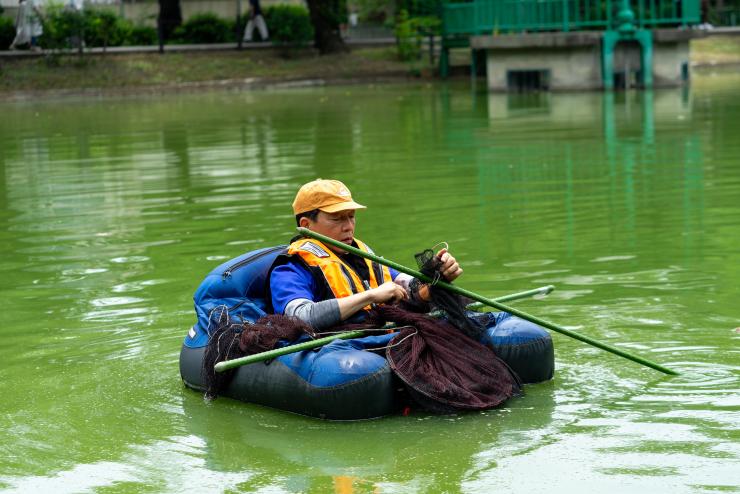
668 59
570 68
573 60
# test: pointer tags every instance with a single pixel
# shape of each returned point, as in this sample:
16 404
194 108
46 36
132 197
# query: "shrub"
62 27
289 24
7 32
203 28
234 30
105 28
142 36
408 47
409 33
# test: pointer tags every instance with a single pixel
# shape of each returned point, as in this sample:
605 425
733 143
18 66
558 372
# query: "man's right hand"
389 292
385 293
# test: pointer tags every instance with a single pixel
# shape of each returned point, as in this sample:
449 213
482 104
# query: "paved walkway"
723 31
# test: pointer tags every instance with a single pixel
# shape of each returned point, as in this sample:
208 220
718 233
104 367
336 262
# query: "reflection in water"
603 158
317 456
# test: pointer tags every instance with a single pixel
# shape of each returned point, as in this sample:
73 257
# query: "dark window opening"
528 80
620 81
627 79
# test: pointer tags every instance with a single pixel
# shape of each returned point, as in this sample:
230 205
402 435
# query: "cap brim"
341 206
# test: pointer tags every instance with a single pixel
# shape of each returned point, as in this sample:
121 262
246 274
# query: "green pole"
298 347
488 301
308 345
543 290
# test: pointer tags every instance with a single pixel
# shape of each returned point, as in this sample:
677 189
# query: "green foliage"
374 11
408 48
204 28
725 13
142 36
7 32
98 28
421 8
105 28
234 30
427 25
410 32
61 26
289 25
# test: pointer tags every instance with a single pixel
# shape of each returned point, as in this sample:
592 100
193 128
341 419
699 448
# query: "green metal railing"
511 16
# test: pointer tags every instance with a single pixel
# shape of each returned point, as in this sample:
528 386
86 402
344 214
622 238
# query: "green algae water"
113 210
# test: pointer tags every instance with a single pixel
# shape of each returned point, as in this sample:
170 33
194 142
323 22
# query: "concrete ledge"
722 31
574 39
673 35
536 40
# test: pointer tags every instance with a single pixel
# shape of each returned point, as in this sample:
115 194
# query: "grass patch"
715 50
121 71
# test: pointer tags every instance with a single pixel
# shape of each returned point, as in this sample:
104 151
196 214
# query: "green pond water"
112 210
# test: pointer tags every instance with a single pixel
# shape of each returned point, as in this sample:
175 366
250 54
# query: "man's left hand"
450 269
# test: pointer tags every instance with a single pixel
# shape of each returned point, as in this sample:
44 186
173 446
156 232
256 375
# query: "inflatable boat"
344 380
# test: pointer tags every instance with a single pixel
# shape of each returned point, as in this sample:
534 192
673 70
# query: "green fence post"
645 37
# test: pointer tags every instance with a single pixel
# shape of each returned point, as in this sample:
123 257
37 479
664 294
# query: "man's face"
339 226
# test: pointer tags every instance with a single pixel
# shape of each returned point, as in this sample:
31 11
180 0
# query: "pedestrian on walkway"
255 19
28 26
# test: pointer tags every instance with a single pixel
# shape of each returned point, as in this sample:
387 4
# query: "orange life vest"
339 276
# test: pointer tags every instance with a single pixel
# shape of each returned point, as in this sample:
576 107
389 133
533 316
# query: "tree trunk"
170 16
326 17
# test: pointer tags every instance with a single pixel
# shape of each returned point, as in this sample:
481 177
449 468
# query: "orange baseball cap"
328 196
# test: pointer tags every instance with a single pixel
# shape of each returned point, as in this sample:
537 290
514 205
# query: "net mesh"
451 303
443 369
235 340
443 364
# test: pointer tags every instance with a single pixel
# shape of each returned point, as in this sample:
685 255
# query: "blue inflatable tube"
344 380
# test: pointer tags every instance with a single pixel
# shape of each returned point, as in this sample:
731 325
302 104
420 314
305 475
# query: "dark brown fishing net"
235 340
443 364
443 369
451 303
265 334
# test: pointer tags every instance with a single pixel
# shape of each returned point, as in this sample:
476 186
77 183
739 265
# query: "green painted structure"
620 20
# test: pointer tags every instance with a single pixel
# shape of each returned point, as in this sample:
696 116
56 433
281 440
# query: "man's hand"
385 293
389 292
450 269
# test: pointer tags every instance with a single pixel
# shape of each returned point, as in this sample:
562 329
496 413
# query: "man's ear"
304 222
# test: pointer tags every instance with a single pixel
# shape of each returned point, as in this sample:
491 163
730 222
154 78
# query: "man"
324 285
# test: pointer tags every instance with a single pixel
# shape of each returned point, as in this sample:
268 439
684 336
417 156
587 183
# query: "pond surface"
113 210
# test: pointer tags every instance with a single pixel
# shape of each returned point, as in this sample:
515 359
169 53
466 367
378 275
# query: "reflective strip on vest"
341 278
